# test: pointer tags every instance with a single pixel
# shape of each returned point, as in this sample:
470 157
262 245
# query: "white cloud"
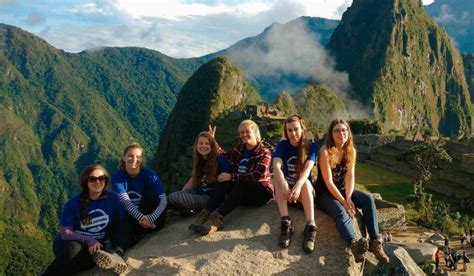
34 18
171 9
179 28
7 2
89 8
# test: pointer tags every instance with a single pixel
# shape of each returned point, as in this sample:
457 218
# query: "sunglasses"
93 179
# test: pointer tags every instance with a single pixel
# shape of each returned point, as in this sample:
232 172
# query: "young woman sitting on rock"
89 222
248 183
207 165
292 163
141 193
337 196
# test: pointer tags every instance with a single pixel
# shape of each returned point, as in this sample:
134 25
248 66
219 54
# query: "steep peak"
404 66
216 87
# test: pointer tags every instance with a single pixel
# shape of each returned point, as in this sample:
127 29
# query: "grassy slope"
391 186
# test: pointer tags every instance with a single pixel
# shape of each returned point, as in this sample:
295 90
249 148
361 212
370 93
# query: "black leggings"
133 229
70 257
226 196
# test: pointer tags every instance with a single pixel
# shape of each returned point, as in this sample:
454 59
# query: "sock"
311 222
286 218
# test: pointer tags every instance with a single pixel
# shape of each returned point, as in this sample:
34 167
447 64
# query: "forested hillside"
61 112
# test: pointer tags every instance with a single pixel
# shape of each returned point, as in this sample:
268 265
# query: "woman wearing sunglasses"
336 194
248 183
293 160
89 222
140 192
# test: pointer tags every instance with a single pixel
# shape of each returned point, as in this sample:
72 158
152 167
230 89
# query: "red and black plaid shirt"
258 166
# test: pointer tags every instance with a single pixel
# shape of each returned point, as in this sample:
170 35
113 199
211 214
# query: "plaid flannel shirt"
258 166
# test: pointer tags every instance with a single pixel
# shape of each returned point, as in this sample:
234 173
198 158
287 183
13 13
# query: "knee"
71 249
369 200
173 198
341 216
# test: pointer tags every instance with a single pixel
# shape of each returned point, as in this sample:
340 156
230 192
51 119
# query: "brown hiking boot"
375 246
213 224
286 233
358 248
200 219
309 236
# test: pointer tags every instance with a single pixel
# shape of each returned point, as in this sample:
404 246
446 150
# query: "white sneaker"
106 260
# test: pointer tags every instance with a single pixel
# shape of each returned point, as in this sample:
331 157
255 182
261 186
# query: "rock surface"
400 263
419 252
246 245
391 216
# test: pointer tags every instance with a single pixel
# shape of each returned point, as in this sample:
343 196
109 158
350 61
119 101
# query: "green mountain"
468 60
61 112
318 104
404 66
208 95
457 18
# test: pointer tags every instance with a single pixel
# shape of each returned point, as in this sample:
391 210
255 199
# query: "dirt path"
414 233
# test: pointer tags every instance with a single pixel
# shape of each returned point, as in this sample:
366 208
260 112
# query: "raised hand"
212 130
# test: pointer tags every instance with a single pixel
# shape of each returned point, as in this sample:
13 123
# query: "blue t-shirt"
103 211
222 166
289 155
244 161
146 180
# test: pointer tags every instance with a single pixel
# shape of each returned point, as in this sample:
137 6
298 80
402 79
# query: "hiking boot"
286 233
309 236
200 219
358 248
213 224
106 260
375 246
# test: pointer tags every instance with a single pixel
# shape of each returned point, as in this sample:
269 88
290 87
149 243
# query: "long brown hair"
348 148
125 151
207 167
84 195
303 145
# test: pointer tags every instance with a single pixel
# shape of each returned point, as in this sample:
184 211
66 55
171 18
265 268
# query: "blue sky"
178 28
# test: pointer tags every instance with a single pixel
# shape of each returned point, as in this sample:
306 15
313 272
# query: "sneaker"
200 219
375 246
309 236
213 224
358 248
286 233
106 260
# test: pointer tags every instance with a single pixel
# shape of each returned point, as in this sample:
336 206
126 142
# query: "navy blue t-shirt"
244 161
136 186
222 166
289 155
103 211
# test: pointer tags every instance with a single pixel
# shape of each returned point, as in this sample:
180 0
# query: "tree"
427 157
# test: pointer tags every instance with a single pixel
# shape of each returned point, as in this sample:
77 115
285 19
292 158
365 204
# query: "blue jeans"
362 200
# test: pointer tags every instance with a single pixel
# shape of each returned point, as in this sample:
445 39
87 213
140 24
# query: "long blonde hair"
303 145
348 148
254 127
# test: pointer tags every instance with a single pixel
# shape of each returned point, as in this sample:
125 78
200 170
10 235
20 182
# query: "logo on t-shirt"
292 175
99 221
135 197
243 165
